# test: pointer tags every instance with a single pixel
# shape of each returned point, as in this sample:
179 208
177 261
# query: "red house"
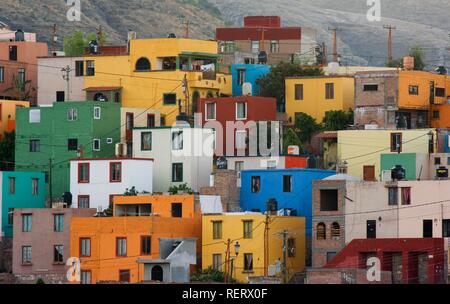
240 111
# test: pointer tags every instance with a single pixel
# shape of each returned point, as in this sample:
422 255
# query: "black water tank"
262 57
222 163
20 35
442 172
398 173
93 47
67 198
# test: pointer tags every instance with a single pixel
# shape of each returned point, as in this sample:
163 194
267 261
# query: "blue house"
19 190
291 188
243 73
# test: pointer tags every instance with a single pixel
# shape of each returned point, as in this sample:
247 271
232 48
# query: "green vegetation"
209 275
337 120
419 59
22 90
7 145
75 44
183 188
291 139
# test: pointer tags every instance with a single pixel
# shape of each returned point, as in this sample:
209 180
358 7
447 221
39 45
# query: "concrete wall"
42 240
135 172
50 79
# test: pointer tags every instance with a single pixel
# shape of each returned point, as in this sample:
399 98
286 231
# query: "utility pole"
227 261
100 35
335 51
186 35
263 39
390 28
50 187
186 95
54 38
66 76
266 244
285 274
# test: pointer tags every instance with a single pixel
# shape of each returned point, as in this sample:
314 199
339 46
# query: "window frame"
121 254
2 74
94 148
165 103
180 180
84 271
35 186
56 252
299 91
83 181
248 268
35 145
180 205
86 240
72 114
79 68
27 222
217 230
285 190
80 197
144 253
256 178
245 110
71 147
111 175
177 137
329 91
11 185
391 200
97 113
413 90
395 136
57 224
247 229
206 111
142 141
30 254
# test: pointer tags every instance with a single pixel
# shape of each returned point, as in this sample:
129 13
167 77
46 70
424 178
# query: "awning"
103 89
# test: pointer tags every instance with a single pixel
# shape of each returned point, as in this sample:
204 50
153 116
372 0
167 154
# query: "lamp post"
237 248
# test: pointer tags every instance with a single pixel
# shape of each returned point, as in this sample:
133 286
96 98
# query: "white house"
93 182
183 155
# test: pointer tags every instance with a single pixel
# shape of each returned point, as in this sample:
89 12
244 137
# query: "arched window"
335 231
321 231
143 64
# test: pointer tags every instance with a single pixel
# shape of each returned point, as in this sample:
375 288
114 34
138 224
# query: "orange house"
8 114
441 112
110 248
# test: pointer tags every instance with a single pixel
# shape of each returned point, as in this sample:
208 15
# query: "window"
58 222
256 184
86 277
248 229
413 90
371 232
217 230
58 254
369 173
396 142
60 96
448 161
287 183
26 222
177 172
329 200
210 111
335 231
370 87
22 78
35 145
177 140
11 185
291 248
437 160
83 201
129 121
146 245
299 92
26 254
96 144
217 262
241 110
177 210
35 116
241 76
427 228
121 247
440 92
329 91
255 46
90 68
97 113
321 233
406 196
446 228
115 170
79 68
72 114
241 139
143 64
2 74
72 144
83 173
34 186
85 247
393 196
146 141
10 216
150 120
229 46
124 276
274 46
13 52
238 166
248 261
170 99
436 114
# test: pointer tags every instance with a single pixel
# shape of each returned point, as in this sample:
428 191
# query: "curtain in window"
406 196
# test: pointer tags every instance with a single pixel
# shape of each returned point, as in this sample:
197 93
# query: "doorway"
371 229
157 273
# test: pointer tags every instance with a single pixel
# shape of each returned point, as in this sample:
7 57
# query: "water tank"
20 35
262 57
398 173
93 47
408 63
222 163
442 172
67 198
172 35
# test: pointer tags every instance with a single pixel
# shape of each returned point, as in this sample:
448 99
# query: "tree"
21 90
183 188
75 44
419 57
337 120
7 146
291 139
305 127
273 83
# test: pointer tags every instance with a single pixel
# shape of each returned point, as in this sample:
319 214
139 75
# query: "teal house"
415 164
19 190
47 137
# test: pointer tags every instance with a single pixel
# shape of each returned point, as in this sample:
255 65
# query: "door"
369 173
427 228
124 276
157 273
371 229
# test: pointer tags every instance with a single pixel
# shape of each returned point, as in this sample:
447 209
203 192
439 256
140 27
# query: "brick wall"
225 185
343 276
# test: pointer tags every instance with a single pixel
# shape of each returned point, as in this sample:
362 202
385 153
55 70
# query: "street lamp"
237 248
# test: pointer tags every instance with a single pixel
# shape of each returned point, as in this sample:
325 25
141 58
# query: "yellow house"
319 94
8 114
362 149
248 231
157 74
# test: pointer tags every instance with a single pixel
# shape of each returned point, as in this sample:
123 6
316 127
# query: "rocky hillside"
418 22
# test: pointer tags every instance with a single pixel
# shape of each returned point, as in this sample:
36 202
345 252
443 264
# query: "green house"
48 137
415 164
